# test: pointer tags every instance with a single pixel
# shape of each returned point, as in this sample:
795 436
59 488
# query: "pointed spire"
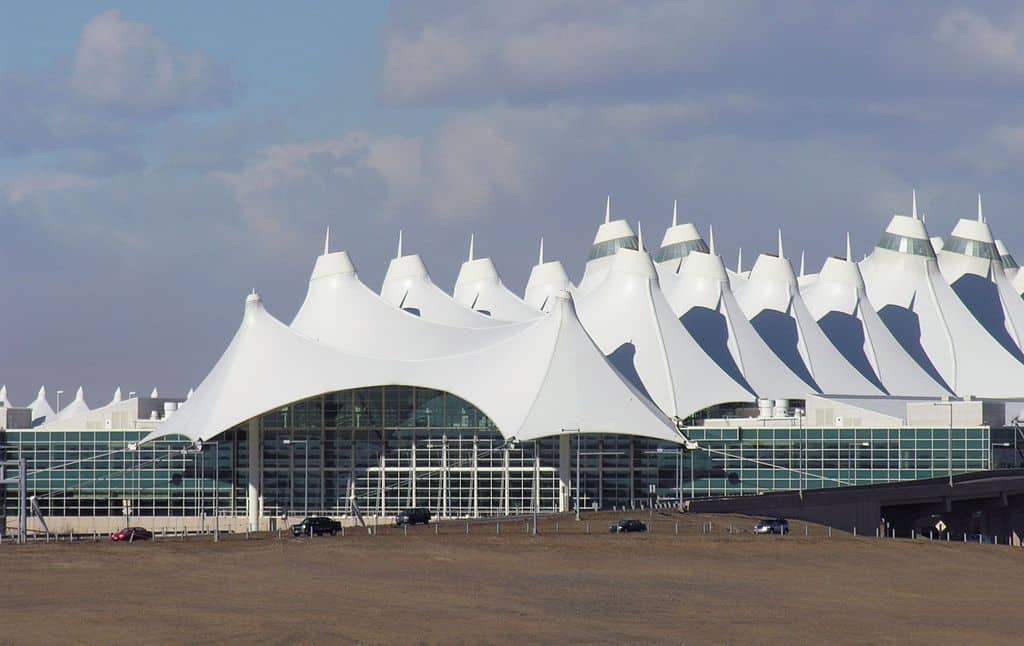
914 206
849 253
3 396
639 237
608 210
117 396
471 240
540 256
155 394
981 216
191 391
781 253
42 393
675 212
739 262
327 241
399 244
801 263
711 238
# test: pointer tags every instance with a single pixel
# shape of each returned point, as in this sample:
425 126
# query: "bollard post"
467 528
342 530
497 527
807 530
405 530
876 532
912 535
854 530
677 529
830 531
965 537
556 526
435 529
588 526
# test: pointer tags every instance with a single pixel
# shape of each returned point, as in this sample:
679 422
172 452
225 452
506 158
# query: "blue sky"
158 161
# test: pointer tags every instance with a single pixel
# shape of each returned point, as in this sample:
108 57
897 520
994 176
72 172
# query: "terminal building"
658 377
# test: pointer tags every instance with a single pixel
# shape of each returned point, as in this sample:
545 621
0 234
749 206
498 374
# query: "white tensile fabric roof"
41 410
407 285
771 300
630 320
75 408
972 266
702 299
906 287
840 305
547 279
536 379
479 288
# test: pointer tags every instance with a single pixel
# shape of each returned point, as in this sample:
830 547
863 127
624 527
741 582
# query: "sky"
158 161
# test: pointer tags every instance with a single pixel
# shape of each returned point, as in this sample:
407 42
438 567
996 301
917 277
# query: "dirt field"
569 587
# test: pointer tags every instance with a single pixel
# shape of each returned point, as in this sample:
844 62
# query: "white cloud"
976 43
124 64
22 187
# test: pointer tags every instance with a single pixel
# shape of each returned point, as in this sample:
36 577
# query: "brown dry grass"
486 588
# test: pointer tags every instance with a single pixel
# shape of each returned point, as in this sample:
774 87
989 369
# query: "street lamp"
216 486
305 476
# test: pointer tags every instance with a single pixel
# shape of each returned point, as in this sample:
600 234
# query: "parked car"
772 526
316 525
132 534
413 516
979 538
628 526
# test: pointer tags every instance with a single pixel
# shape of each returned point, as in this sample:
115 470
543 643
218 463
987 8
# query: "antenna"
639 236
540 257
849 255
781 254
327 241
711 238
739 262
981 216
914 206
471 239
675 212
399 244
801 263
608 210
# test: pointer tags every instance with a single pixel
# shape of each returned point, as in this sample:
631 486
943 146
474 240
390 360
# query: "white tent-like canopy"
407 285
772 302
4 402
547 279
341 311
913 299
971 264
702 299
41 410
610 237
629 318
74 409
479 288
840 305
546 378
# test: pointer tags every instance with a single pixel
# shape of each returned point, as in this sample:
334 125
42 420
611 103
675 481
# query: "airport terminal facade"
648 382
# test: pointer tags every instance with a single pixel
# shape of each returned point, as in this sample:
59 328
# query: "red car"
132 534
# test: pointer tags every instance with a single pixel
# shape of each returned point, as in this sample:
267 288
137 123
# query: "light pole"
216 487
305 475
949 438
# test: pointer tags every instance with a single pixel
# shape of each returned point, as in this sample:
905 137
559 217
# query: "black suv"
317 525
413 516
626 526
